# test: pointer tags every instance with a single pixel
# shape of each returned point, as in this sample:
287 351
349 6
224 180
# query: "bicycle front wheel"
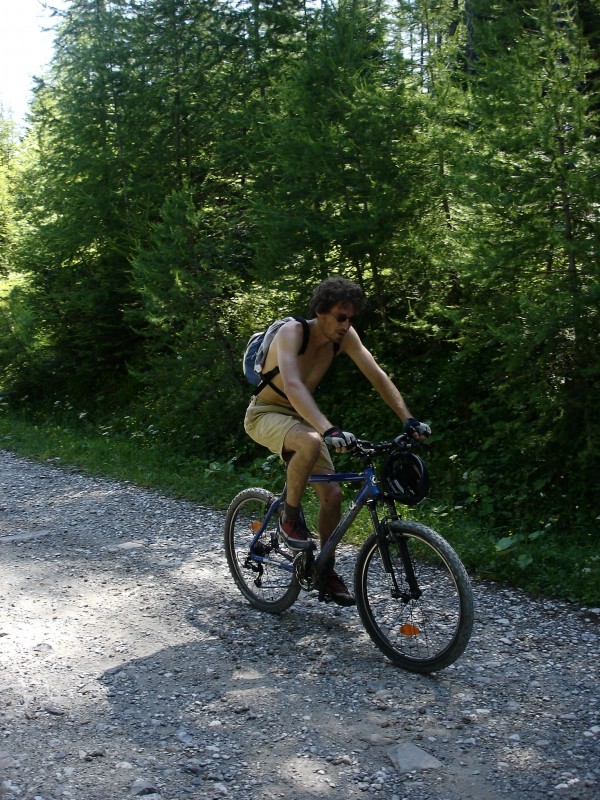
262 571
415 599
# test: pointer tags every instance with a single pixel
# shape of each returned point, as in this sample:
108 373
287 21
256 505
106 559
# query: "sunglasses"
340 317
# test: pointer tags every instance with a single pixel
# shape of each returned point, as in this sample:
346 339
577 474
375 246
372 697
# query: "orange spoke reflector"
409 630
255 526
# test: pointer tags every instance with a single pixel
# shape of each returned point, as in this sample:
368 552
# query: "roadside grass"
546 563
144 462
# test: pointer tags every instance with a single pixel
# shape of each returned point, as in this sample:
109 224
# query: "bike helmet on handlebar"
405 478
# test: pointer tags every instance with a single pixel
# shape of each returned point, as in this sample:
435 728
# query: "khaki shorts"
268 424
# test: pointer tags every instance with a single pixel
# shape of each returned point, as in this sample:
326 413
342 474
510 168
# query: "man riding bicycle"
287 420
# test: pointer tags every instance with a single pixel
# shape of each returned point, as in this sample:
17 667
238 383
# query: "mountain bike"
412 592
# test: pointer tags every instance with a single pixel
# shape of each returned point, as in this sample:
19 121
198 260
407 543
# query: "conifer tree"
529 330
338 153
7 138
76 203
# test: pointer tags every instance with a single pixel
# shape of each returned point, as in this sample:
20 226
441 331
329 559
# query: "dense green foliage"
193 167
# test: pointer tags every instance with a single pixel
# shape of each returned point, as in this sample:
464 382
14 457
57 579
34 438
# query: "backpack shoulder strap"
267 377
305 334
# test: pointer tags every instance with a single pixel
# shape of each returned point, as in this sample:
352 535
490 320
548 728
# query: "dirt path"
131 666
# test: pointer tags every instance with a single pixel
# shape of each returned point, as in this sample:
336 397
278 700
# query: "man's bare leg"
330 506
304 444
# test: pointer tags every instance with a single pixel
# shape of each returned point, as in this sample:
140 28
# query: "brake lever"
404 441
363 447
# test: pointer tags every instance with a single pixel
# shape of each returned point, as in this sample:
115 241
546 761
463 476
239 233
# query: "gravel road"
131 666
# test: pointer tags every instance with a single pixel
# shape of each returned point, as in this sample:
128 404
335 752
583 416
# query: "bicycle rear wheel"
422 633
264 576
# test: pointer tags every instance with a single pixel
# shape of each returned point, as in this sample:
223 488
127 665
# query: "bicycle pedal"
307 546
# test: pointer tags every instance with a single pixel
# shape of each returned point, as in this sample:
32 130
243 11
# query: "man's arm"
289 340
364 360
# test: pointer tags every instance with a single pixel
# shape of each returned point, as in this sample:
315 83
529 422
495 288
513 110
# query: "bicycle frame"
367 493
411 590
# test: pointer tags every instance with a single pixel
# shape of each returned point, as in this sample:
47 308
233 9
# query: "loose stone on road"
130 666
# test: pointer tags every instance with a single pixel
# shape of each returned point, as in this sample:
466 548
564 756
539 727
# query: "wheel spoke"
429 625
261 568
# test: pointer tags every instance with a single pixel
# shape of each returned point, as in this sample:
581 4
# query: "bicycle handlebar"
402 442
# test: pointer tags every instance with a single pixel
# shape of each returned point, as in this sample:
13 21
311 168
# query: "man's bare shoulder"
351 342
290 335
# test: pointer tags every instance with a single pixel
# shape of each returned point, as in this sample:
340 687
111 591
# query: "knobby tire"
266 585
421 635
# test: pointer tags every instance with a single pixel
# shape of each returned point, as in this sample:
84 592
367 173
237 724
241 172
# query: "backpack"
256 352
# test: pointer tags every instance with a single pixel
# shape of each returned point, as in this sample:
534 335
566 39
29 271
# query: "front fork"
384 538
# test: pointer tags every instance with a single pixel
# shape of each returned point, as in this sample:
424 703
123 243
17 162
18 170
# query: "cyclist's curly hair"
336 290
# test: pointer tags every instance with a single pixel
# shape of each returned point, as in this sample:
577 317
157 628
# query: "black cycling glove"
339 439
412 426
